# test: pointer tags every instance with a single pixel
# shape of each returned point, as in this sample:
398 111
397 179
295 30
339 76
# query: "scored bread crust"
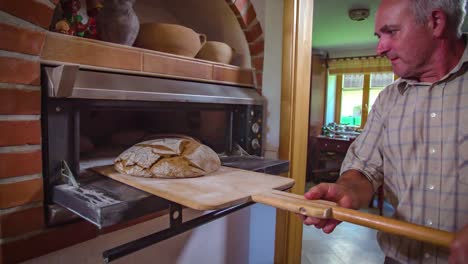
168 158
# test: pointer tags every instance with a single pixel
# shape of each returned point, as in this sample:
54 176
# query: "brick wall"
23 24
21 188
23 233
247 17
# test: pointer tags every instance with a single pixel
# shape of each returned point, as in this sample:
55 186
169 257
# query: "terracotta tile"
254 33
257 63
20 102
21 193
176 67
20 164
233 75
29 10
247 17
21 222
240 5
20 71
20 133
51 240
235 10
21 40
257 47
65 48
259 78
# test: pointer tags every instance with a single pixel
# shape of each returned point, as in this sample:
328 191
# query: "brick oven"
25 45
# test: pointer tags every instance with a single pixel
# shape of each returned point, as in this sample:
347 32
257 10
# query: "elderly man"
416 139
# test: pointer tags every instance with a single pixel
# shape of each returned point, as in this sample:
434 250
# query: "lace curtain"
359 65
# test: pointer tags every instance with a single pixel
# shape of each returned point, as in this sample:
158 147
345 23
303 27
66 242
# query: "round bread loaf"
168 158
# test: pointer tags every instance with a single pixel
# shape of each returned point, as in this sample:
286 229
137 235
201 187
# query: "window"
378 81
351 103
353 81
356 93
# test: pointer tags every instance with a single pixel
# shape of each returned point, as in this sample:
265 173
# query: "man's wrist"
358 186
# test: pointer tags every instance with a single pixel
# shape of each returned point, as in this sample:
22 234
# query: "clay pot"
170 38
216 51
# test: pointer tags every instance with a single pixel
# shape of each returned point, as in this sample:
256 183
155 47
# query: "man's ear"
438 22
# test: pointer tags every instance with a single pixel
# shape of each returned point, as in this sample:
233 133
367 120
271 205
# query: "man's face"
406 44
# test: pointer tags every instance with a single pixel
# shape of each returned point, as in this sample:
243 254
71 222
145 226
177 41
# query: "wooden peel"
327 210
229 186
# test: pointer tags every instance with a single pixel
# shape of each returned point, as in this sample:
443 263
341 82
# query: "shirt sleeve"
365 153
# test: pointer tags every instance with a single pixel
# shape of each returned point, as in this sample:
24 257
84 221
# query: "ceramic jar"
170 38
216 51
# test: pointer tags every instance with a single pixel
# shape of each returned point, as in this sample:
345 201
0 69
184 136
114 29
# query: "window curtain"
359 65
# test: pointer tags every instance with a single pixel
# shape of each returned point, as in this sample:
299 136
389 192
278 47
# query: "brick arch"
247 17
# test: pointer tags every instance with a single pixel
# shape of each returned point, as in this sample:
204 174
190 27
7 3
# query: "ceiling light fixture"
358 14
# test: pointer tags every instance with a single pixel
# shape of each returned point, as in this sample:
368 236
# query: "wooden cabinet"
325 157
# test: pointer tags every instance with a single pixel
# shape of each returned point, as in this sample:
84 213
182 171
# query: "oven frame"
67 90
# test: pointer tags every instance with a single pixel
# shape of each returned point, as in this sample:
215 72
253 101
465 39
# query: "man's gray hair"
454 9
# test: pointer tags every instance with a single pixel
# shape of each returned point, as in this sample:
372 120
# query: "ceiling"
334 32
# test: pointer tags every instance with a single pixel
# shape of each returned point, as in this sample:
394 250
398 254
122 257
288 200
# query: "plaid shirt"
415 141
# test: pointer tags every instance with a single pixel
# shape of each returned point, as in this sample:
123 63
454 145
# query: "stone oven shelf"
62 49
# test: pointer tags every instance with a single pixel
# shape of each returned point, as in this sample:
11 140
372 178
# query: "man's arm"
352 190
360 185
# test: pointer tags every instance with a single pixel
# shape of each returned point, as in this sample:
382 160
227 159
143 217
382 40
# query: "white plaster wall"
263 218
262 234
260 9
154 11
272 67
225 240
214 18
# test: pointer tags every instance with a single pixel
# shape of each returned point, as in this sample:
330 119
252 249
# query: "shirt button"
432 151
427 255
433 115
429 223
431 187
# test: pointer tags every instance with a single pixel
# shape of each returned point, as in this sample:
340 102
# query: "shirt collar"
404 84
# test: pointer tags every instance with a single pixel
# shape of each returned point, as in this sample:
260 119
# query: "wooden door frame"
294 123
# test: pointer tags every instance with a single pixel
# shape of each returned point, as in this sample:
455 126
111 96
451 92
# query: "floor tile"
326 258
349 243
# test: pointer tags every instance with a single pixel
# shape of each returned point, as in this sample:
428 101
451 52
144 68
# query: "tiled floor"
349 243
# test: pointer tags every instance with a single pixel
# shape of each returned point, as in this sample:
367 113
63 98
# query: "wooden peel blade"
327 210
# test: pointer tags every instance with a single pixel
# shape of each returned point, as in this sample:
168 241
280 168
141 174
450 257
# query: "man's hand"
459 247
337 193
352 190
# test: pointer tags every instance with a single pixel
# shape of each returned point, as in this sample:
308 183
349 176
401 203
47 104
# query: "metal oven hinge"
67 173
